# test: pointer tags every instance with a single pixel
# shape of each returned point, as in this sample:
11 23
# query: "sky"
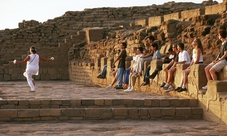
14 11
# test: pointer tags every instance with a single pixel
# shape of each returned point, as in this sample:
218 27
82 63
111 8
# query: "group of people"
177 55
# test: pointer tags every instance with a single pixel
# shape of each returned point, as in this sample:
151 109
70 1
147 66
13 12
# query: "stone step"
91 103
105 113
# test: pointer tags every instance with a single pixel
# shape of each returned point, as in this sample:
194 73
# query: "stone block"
165 103
138 103
155 21
75 102
93 113
155 112
168 111
50 112
73 112
142 22
147 102
23 102
128 102
155 103
183 111
117 102
106 114
197 111
215 9
8 113
192 13
99 102
196 79
55 102
133 113
175 16
28 113
179 73
87 102
120 111
66 102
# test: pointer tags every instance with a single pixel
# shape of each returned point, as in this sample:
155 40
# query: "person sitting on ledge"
166 59
103 72
220 62
156 56
136 70
197 57
183 58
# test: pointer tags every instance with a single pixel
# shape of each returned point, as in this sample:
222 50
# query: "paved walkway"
65 90
72 90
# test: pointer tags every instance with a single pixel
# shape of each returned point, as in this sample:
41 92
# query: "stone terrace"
67 100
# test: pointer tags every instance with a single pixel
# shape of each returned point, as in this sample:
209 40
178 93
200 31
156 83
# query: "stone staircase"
99 109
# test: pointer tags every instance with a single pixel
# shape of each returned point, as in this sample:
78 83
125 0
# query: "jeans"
103 72
146 74
126 76
120 72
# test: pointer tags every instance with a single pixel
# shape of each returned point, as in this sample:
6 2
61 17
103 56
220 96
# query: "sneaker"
170 88
178 88
108 87
182 89
127 89
101 76
130 89
163 84
166 86
119 87
204 88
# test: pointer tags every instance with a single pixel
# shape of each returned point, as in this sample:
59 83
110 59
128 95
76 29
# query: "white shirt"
194 56
184 56
33 64
137 65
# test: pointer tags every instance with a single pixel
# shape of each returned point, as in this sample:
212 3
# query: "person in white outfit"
136 69
32 67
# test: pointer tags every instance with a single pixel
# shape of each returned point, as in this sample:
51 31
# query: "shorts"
218 66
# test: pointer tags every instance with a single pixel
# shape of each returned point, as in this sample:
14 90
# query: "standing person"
32 67
220 62
136 70
183 58
156 55
197 57
121 65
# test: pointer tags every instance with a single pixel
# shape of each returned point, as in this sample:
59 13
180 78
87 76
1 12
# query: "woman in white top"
136 69
197 57
32 67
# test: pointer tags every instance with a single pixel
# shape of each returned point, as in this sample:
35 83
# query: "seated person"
156 56
103 72
197 57
183 58
220 62
166 59
136 69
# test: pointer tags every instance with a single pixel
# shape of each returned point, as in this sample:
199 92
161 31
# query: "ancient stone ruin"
82 42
